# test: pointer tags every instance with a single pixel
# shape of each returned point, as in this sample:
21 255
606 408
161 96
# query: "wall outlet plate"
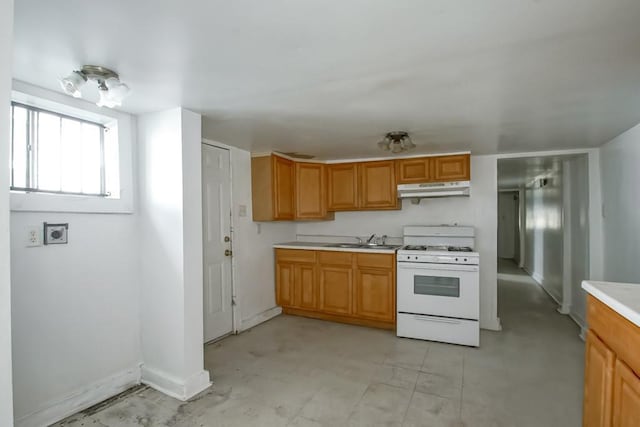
56 234
34 236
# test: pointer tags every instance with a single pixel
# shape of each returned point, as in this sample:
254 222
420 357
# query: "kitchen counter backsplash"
328 238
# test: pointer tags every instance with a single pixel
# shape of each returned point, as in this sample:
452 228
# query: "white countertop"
316 246
623 298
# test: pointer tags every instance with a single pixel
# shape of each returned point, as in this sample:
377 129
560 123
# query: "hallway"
304 372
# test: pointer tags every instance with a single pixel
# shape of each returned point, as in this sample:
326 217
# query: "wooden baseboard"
341 319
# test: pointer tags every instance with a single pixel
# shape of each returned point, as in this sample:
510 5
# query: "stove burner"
437 248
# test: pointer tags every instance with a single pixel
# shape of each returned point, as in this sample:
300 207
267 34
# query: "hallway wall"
543 228
620 176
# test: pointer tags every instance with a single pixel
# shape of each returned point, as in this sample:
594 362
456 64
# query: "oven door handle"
436 319
440 267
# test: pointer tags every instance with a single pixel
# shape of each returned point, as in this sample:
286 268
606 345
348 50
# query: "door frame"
235 316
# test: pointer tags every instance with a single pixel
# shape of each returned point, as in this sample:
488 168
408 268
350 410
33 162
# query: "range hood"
434 189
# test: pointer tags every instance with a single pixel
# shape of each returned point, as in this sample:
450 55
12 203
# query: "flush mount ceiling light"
110 89
396 142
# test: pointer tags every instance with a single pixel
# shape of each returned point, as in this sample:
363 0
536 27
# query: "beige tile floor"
293 371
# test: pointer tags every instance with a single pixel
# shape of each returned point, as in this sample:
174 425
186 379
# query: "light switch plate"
56 234
242 210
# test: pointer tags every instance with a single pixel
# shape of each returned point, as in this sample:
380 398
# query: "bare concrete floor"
293 371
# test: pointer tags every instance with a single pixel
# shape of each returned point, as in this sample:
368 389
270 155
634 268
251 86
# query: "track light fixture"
111 90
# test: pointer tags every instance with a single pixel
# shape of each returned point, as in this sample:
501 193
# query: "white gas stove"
438 285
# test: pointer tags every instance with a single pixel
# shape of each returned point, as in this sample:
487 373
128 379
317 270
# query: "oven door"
449 290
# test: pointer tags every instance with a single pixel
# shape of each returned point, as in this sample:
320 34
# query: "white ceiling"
330 77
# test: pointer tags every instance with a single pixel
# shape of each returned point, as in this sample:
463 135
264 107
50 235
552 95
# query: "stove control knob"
456 259
465 260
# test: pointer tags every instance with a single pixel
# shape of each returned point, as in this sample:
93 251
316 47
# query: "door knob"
227 252
227 238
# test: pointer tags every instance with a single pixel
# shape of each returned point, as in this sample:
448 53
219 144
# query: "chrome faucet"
370 239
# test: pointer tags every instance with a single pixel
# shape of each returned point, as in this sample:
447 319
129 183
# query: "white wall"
6 393
76 303
544 234
254 276
479 210
171 252
620 174
75 314
577 225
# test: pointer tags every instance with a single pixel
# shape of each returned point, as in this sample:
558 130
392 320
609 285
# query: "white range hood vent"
434 189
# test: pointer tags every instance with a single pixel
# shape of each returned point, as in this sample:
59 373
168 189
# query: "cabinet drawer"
375 260
295 255
335 258
622 336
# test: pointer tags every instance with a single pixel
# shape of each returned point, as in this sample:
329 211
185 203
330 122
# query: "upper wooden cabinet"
342 186
414 171
433 169
289 190
452 168
362 186
272 181
378 188
311 191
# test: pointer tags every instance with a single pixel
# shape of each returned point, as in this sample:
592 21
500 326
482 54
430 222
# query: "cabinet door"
305 287
285 279
342 187
598 383
336 289
626 397
452 168
378 185
311 196
374 294
283 183
412 171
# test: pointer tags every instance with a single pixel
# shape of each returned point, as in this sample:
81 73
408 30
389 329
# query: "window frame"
31 178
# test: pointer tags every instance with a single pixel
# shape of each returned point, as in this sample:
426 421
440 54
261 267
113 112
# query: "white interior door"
216 205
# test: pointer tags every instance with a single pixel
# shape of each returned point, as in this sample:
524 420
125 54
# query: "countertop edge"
616 305
325 248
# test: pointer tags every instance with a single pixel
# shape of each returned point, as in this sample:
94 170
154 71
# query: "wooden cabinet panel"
378 185
619 334
626 397
386 261
295 255
305 290
283 183
598 381
412 171
374 294
342 187
285 277
336 289
452 168
335 258
310 194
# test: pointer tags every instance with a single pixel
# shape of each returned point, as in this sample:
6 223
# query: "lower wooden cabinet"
598 379
375 294
346 287
612 369
336 289
626 396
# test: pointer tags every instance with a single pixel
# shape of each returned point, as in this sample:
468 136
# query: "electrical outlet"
55 234
34 236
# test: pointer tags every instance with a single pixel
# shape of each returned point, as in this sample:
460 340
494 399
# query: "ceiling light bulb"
384 145
397 148
72 84
106 100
